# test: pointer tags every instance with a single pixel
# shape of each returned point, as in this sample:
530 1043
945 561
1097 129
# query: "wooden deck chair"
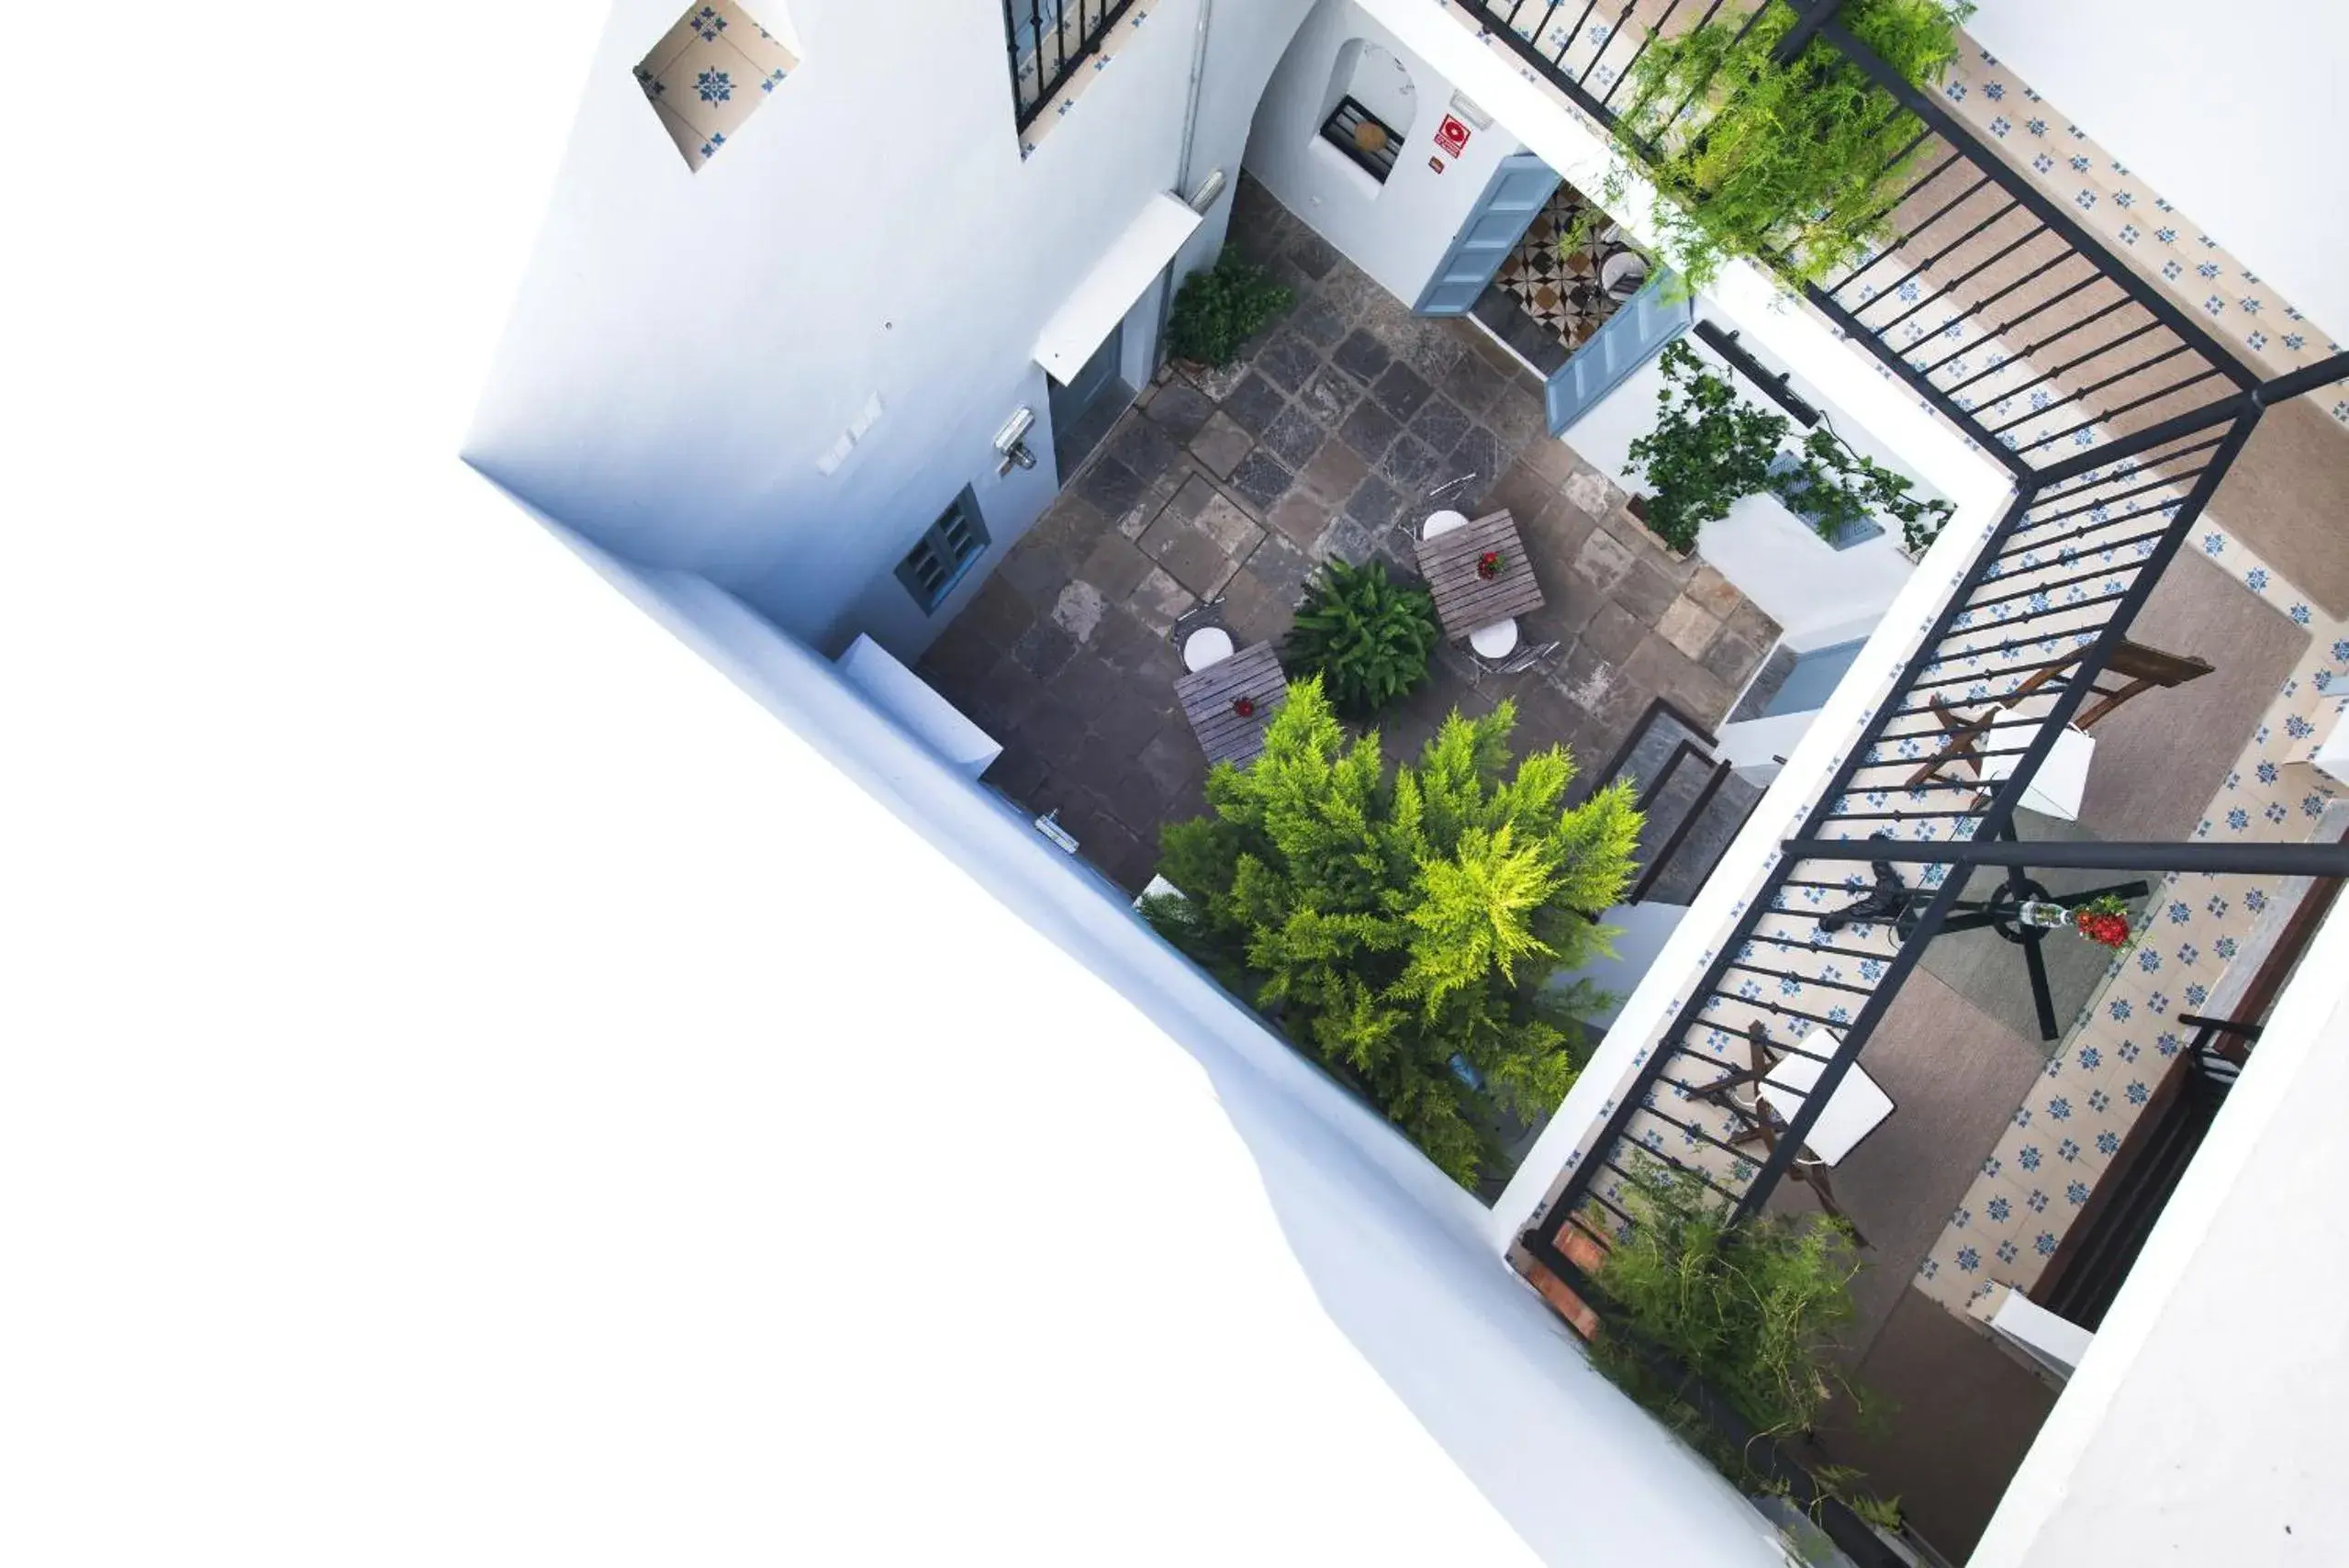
2140 668
1761 1125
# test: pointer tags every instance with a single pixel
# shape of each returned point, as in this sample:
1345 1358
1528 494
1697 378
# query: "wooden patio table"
1465 599
1209 699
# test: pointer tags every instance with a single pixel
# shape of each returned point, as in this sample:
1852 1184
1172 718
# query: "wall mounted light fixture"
1010 443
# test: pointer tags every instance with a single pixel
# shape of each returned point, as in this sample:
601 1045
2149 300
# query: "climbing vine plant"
1798 167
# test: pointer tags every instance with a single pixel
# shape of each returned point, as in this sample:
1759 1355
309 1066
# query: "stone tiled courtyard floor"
1341 428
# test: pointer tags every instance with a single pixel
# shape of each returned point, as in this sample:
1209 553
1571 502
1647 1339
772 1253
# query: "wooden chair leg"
1965 738
2109 701
1814 1176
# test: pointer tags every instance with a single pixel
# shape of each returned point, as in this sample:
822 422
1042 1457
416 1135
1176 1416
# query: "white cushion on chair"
1208 645
1494 642
2062 781
1443 523
1856 1108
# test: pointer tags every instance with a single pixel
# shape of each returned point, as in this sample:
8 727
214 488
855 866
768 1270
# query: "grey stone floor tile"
1262 479
1294 438
1254 404
1362 356
1370 430
1400 390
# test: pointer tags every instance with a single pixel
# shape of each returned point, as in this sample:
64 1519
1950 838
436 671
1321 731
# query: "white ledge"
1108 291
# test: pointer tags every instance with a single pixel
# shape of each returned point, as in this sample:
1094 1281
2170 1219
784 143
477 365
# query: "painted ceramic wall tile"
708 74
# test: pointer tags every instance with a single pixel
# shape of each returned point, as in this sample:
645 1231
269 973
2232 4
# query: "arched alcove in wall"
1368 105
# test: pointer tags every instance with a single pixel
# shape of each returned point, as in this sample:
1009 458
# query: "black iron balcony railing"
1987 298
1876 868
1049 40
2118 416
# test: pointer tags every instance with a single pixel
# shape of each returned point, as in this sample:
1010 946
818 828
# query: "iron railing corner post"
1809 17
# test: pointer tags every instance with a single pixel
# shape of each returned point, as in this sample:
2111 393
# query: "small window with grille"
939 559
1363 137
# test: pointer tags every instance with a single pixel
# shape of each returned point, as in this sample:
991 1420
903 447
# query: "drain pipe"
1199 200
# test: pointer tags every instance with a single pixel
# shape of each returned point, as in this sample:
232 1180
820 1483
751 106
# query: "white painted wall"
907 699
1753 747
2235 114
1778 560
684 346
2203 1424
1396 233
1392 1251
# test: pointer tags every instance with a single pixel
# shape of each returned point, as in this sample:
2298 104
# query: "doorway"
1569 274
1083 410
1543 270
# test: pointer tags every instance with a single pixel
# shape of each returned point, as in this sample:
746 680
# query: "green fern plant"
1367 636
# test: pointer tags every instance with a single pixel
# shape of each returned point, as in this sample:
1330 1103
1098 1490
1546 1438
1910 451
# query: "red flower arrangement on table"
1244 706
1488 566
2104 921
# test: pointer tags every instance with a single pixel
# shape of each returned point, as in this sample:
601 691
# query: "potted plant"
1709 449
1488 566
1220 307
1751 1310
1367 636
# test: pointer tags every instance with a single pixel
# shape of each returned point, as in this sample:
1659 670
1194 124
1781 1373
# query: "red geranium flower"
2104 922
1244 706
1489 564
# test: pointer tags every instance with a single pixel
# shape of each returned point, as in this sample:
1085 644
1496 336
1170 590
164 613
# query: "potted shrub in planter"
1367 637
1752 1309
1218 309
1710 449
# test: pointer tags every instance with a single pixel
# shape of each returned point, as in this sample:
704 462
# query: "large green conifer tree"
1405 929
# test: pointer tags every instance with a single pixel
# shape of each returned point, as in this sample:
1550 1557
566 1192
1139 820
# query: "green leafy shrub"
1220 306
1710 449
1798 167
1403 929
1367 637
1751 1309
1834 487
